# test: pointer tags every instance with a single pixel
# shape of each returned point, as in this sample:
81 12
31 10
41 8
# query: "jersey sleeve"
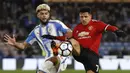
111 28
62 27
31 38
101 26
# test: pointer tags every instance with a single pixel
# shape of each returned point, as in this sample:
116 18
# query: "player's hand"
49 37
9 40
120 33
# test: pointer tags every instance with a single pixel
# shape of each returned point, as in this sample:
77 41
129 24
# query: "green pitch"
70 71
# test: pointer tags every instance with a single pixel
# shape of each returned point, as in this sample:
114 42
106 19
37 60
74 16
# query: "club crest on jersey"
49 30
90 27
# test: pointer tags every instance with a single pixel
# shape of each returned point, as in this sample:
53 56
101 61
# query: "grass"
70 71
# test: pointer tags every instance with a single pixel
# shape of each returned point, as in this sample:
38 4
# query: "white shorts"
52 69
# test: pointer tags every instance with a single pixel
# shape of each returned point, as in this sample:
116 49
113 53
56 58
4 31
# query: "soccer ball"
65 49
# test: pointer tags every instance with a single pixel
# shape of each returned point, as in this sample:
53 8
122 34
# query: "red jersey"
89 36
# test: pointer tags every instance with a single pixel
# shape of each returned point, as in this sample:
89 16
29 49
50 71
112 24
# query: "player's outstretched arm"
12 41
117 31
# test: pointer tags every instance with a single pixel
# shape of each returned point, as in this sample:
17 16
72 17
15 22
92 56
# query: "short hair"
42 7
85 9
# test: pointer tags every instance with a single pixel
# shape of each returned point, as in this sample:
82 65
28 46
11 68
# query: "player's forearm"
118 32
111 28
61 38
19 45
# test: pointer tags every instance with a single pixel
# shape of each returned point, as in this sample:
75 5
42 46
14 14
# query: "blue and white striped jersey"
54 27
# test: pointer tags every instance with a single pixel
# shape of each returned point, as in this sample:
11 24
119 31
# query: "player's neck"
43 25
87 23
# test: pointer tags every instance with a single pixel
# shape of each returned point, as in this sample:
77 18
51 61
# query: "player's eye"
41 13
81 16
85 16
46 13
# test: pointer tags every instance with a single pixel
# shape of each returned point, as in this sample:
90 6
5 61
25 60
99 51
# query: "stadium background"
18 17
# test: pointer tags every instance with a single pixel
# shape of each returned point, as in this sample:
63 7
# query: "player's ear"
38 15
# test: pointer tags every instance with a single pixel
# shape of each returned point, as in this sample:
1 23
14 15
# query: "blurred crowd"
17 17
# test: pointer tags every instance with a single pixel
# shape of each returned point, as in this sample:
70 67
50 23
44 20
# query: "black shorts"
89 59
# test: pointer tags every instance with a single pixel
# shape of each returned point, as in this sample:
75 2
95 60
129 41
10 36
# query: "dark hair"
85 9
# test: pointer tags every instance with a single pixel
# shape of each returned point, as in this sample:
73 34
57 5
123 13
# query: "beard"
44 23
